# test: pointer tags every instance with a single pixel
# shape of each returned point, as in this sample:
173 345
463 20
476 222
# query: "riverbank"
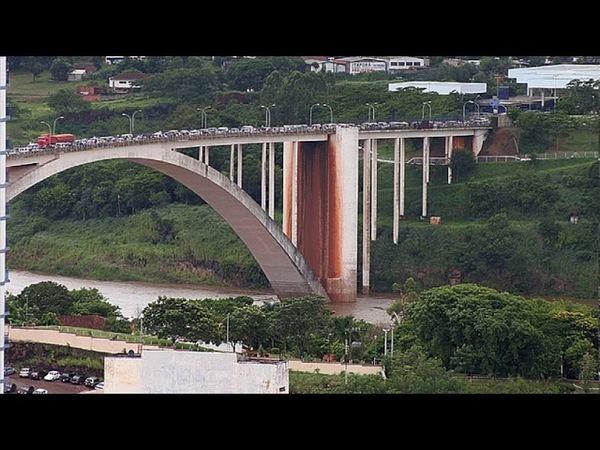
132 297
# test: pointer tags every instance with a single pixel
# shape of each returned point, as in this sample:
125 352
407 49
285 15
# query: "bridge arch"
284 266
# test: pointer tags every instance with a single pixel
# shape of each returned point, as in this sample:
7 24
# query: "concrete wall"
55 337
187 372
333 368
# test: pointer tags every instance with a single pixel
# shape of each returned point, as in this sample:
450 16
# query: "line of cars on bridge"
246 130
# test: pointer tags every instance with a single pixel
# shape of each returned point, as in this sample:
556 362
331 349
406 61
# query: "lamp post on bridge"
477 104
310 113
428 104
203 120
371 108
330 112
54 123
464 107
268 114
131 120
49 127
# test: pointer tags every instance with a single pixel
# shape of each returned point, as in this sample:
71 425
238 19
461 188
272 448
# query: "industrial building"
543 79
441 87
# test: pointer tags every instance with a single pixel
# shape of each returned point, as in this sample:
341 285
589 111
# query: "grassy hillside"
506 226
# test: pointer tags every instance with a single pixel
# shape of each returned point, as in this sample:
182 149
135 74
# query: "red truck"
47 139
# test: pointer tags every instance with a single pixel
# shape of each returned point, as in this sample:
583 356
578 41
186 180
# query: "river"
132 297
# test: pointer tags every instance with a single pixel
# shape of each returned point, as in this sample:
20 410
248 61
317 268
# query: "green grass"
23 87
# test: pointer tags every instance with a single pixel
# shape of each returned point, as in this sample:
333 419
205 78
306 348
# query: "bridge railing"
247 131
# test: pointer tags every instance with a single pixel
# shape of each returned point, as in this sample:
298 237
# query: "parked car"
91 381
25 372
52 375
8 371
38 374
10 388
99 385
40 391
78 379
25 390
65 377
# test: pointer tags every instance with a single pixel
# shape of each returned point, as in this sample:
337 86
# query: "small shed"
76 75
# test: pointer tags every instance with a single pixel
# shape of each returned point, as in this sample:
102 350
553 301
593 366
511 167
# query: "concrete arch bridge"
314 249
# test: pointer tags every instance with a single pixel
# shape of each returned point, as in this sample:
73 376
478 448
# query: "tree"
44 297
408 294
299 321
68 103
462 163
475 329
61 68
588 372
412 372
90 301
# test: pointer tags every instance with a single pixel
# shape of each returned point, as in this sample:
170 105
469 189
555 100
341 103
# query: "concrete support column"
271 180
366 235
263 178
239 164
326 199
425 175
231 162
399 172
448 150
290 190
374 155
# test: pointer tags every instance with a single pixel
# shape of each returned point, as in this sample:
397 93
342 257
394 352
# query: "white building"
361 64
441 87
126 80
554 77
401 63
76 75
168 371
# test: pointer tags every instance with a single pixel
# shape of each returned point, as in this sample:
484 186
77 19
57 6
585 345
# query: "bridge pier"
320 204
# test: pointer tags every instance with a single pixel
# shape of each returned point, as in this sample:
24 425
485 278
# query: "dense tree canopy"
478 330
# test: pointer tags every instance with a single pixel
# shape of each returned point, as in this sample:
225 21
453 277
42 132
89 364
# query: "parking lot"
53 387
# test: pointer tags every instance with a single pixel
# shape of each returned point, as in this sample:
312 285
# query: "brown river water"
132 297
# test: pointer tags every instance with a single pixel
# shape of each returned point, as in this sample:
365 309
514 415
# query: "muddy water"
132 297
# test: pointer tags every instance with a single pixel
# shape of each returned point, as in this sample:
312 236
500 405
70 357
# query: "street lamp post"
49 127
346 363
330 112
385 332
133 120
267 114
310 113
130 122
54 123
228 332
371 108
464 106
428 104
203 120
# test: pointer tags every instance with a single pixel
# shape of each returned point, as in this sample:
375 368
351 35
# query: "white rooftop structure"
554 77
442 87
